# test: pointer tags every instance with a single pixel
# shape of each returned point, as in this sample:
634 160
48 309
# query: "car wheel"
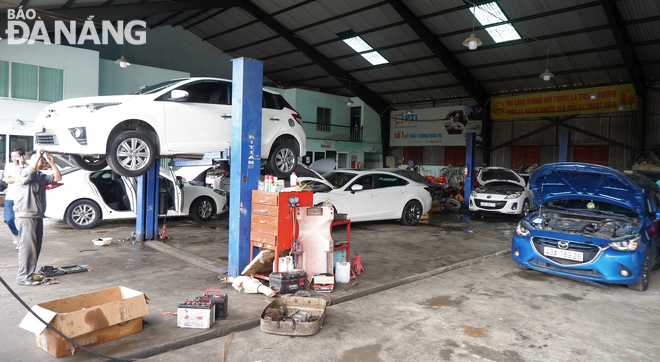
525 209
82 214
643 282
202 209
521 267
89 163
453 204
283 160
412 212
131 154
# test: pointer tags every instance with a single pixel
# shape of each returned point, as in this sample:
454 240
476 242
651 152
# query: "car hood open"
492 174
585 181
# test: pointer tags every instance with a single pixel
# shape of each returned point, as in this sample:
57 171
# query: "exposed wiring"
57 331
224 348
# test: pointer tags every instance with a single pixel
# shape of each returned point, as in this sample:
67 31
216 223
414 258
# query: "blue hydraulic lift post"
470 150
247 80
148 186
563 145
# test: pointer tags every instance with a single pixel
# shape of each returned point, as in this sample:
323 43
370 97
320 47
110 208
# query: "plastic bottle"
293 181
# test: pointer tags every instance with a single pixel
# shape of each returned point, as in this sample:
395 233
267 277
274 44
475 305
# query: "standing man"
11 171
29 206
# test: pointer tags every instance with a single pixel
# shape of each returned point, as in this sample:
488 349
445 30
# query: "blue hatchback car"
593 223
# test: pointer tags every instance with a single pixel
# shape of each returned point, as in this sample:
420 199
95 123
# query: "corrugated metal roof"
582 42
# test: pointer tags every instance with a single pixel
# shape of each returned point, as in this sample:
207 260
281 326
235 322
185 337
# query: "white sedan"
379 194
82 198
502 191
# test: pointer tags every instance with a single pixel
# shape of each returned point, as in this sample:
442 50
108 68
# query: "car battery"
195 314
288 282
220 301
323 282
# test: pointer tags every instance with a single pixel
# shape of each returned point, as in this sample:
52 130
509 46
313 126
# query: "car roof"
222 79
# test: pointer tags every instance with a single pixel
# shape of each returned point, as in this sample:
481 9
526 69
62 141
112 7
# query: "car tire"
283 160
202 209
525 209
453 204
82 214
521 267
643 282
131 154
412 212
89 163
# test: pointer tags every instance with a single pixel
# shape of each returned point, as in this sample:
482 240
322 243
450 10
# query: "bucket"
342 272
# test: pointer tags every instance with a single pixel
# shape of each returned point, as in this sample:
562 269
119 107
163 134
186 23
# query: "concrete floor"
445 290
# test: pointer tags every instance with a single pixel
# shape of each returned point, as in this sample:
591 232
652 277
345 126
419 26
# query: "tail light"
653 231
54 186
179 178
295 115
428 189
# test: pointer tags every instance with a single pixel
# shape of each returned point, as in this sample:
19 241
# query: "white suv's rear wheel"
131 154
283 160
89 163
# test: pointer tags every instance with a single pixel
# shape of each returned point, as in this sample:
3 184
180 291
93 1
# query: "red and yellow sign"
563 103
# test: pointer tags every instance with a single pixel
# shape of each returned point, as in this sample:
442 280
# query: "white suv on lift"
181 117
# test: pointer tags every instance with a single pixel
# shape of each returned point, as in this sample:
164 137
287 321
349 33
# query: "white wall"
116 80
81 68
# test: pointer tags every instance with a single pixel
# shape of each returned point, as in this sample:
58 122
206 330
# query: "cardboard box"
88 319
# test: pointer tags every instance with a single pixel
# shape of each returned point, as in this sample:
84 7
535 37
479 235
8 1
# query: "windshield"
339 179
149 89
595 207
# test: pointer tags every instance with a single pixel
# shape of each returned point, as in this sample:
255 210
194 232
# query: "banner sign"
441 126
566 102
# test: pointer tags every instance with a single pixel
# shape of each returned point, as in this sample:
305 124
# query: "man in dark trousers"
29 207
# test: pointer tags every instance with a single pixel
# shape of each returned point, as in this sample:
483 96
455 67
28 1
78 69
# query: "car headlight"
92 107
626 245
514 196
473 193
521 230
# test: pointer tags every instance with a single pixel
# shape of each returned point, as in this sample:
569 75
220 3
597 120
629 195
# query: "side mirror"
356 187
179 95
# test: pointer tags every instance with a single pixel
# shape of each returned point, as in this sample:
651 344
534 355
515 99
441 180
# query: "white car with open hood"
502 191
182 117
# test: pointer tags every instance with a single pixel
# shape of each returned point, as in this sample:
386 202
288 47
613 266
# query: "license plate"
563 254
488 204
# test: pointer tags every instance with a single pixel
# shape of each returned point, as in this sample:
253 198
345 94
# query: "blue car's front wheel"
643 282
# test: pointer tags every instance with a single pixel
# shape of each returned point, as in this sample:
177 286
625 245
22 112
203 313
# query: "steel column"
563 145
245 157
146 208
470 151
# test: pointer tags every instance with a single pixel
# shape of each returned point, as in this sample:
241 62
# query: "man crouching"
29 207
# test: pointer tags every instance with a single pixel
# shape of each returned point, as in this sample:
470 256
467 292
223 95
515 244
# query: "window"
490 13
455 155
525 155
323 119
390 181
416 154
207 92
26 81
591 154
4 79
269 100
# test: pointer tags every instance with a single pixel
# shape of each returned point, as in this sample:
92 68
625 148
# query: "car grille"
586 272
498 204
589 252
47 140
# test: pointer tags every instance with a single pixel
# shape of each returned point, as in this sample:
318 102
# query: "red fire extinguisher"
465 171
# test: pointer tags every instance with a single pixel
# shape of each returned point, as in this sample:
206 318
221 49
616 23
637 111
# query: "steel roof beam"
365 94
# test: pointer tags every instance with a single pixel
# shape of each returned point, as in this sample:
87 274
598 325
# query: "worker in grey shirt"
29 207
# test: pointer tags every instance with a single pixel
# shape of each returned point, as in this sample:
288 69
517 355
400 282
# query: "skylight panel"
357 44
502 33
491 13
365 50
374 58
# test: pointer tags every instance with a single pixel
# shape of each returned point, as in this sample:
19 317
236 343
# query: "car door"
393 193
361 205
200 123
174 189
272 120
